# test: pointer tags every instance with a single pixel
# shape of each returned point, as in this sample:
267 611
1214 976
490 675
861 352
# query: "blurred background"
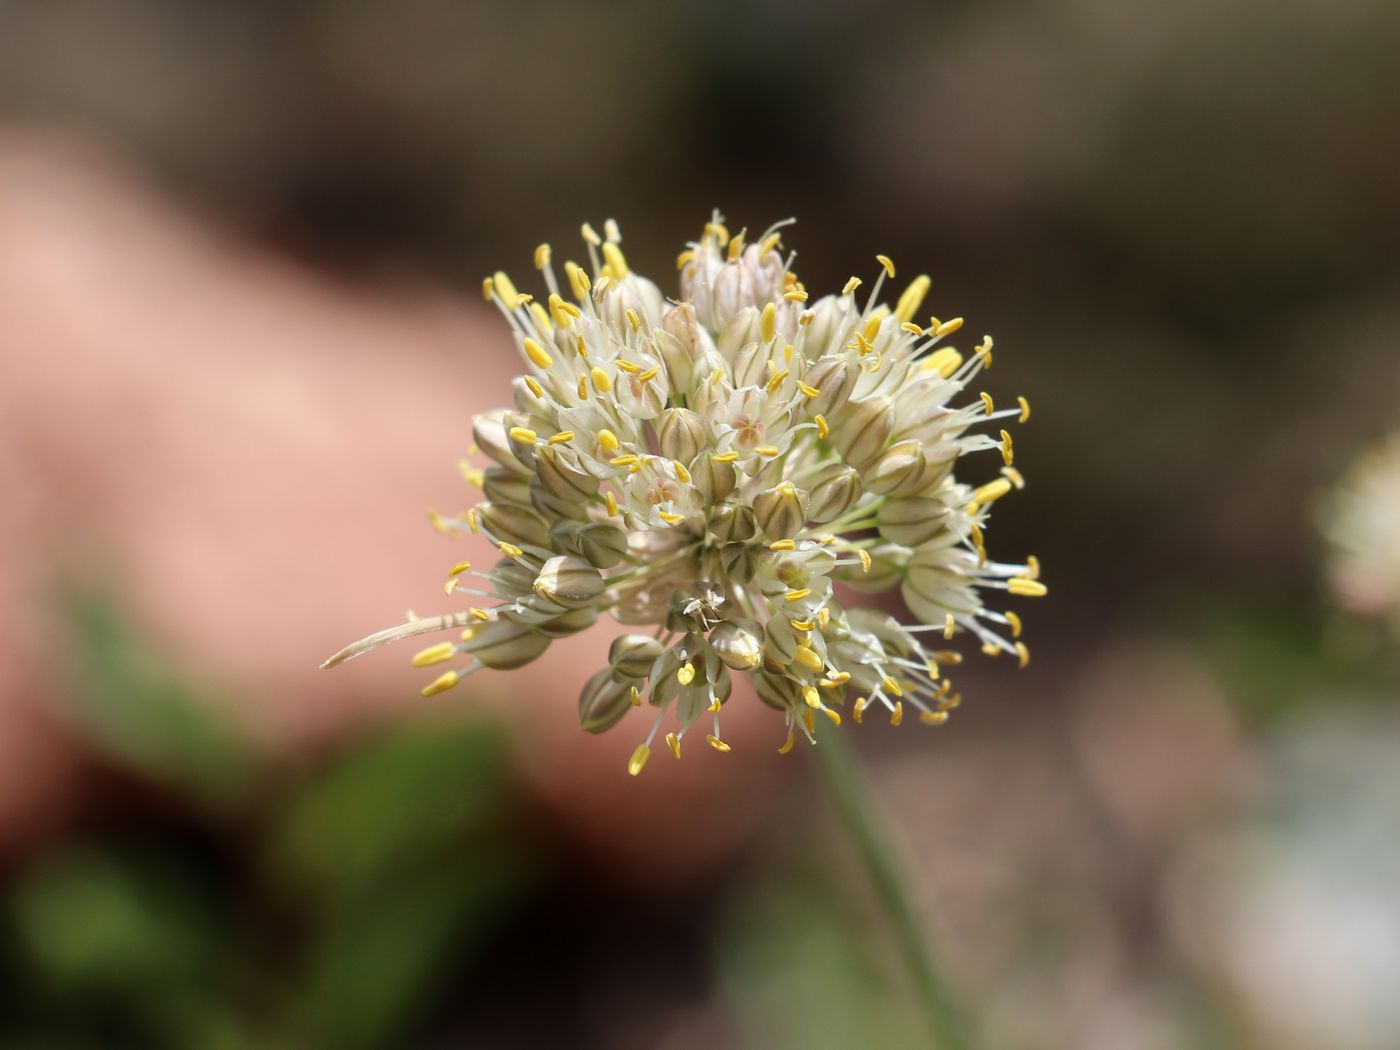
241 338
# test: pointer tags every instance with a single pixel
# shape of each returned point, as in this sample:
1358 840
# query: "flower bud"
514 524
740 561
836 491
779 693
504 645
571 621
738 333
732 523
521 439
602 702
835 379
681 434
569 581
900 470
739 643
781 511
532 610
751 365
712 479
489 433
863 429
829 322
601 545
559 473
505 487
631 655
911 521
553 508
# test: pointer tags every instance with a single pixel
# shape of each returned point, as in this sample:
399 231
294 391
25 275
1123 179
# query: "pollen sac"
602 702
631 655
569 581
781 511
705 469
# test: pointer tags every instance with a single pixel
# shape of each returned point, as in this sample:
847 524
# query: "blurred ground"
239 345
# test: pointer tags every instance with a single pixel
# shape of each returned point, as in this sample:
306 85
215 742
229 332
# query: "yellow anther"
991 492
684 257
581 348
809 719
788 743
1032 568
841 677
884 260
823 428
736 246
718 231
1014 476
505 291
987 402
724 457
578 280
542 321
984 351
524 435
933 718
804 625
638 761
627 366
991 649
805 318
769 243
948 327
468 633
808 389
795 296
470 474
480 614
682 474
768 323
590 234
534 385
944 361
805 656
912 298
892 686
1023 655
835 716
932 666
434 654
536 354
473 521
766 450
607 441
872 326
865 560
850 286
438 522
674 743
625 460
897 715
782 545
648 375
459 568
612 231
860 344
798 595
949 626
811 696
777 381
611 501
542 255
718 744
911 328
669 518
686 673
1014 622
488 289
1025 588
858 709
975 531
1007 453
562 312
449 587
510 550
601 382
441 684
633 319
562 438
635 695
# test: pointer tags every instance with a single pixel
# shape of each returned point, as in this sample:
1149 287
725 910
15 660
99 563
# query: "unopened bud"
571 621
631 655
489 433
835 491
781 511
559 472
911 521
569 581
714 480
681 434
863 429
834 380
515 525
900 470
731 523
504 645
740 561
601 545
602 702
739 644
506 487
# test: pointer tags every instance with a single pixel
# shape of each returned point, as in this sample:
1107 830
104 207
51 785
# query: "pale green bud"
835 491
712 479
681 434
863 429
569 581
911 521
835 379
632 655
900 470
514 524
559 473
739 643
781 511
602 702
504 645
731 523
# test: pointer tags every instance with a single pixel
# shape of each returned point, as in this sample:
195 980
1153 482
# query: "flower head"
708 468
1361 521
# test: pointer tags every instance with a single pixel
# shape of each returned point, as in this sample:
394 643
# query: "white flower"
711 467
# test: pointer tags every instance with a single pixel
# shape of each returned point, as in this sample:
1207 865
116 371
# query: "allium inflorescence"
709 468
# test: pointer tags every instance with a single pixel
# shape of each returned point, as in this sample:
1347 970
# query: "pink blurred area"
246 451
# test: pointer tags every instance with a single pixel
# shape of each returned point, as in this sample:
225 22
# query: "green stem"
843 781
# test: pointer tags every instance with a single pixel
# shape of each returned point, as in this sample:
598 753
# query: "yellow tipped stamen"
510 550
949 626
807 658
648 375
578 280
718 744
933 718
607 441
884 260
633 319
617 263
858 709
674 743
872 327
542 256
562 438
524 435
611 502
534 385
1014 622
736 246
601 382
850 286
682 474
897 715
684 258
669 518
1025 588
807 389
991 492
865 559
724 457
892 686
686 674
1025 410
944 361
809 719
449 587
834 716
782 545
984 351
473 521
718 231
581 348
638 761
768 323
811 696
766 450
1032 568
913 297
635 695
798 595
471 475
505 291
987 402
990 649
582 388
480 614
769 243
441 684
823 428
459 568
627 366
488 289
434 654
468 633
542 321
1023 655
804 625
562 312
948 327
788 743
626 460
1014 476
795 296
1007 453
933 671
